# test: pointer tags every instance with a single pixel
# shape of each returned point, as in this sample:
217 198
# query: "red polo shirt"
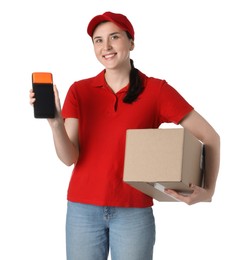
103 120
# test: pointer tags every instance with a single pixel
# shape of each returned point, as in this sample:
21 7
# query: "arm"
203 131
65 136
65 133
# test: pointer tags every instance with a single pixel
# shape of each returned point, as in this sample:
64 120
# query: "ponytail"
135 87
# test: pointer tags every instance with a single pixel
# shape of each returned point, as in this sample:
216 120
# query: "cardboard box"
162 158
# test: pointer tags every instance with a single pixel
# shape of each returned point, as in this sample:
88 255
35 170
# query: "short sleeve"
70 107
173 106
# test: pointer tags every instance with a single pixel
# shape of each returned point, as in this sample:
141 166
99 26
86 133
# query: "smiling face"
112 46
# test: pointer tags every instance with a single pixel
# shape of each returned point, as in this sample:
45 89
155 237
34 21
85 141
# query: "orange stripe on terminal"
42 77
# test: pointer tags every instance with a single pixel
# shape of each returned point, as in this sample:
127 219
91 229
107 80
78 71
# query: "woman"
103 211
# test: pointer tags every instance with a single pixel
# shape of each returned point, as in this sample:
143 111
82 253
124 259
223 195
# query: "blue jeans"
91 231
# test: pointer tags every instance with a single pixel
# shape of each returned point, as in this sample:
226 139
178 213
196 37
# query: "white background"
194 45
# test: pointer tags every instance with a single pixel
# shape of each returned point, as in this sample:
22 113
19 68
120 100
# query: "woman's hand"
198 195
31 97
58 117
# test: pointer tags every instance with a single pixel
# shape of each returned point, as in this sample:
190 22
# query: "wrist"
56 123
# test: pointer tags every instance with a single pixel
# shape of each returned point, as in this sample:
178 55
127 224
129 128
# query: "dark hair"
135 86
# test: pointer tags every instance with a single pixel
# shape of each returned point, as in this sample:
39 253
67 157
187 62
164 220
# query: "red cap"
119 19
